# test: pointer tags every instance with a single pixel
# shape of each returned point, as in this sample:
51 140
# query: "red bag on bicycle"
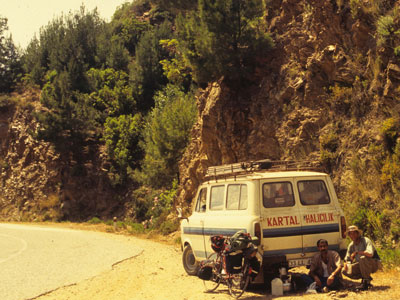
217 243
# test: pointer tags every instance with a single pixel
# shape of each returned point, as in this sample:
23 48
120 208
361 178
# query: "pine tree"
166 134
223 38
10 66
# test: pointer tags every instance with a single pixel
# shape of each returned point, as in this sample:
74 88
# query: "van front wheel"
189 261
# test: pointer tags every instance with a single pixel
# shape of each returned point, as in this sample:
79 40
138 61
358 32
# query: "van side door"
280 220
227 211
319 215
194 229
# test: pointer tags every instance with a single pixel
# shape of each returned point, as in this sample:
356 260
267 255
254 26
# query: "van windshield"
313 192
278 194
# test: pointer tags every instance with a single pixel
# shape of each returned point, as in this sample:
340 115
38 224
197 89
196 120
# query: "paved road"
35 260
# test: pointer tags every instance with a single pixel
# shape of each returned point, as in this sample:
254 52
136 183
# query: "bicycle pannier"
205 270
234 262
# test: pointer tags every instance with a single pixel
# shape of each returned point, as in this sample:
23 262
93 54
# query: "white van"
286 205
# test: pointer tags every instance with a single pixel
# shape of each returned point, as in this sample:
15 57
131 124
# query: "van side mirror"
180 217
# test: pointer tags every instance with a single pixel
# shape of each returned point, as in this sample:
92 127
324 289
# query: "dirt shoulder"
157 273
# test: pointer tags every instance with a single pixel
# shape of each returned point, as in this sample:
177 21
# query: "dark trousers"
334 286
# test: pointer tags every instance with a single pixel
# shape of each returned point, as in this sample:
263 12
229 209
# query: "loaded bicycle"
232 263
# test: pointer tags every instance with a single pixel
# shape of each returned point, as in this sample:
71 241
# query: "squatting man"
325 269
361 258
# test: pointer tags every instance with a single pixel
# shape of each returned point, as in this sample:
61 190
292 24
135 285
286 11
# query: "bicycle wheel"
237 283
215 280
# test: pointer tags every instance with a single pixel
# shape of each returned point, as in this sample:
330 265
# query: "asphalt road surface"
35 260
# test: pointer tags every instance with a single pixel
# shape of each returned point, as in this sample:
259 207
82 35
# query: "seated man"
325 269
361 259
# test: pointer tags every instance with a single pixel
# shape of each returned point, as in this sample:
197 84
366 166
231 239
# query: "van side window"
217 197
313 192
236 197
202 200
278 194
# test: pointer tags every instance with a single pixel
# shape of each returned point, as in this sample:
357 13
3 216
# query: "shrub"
384 28
329 144
94 220
390 132
168 227
136 228
7 102
373 204
390 257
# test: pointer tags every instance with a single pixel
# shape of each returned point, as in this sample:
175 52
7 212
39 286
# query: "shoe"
364 286
325 289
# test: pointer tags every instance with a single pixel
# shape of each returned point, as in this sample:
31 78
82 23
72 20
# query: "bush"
390 257
390 132
6 102
384 28
136 228
329 144
94 220
371 197
168 227
166 135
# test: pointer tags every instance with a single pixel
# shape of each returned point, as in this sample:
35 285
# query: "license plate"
299 262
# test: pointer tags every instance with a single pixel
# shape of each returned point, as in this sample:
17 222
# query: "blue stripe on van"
300 230
211 231
296 250
325 228
193 230
279 232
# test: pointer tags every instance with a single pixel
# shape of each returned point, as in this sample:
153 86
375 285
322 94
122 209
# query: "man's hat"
353 228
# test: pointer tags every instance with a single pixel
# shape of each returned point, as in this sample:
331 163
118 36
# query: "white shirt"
325 267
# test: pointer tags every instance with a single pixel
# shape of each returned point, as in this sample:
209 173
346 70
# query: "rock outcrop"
316 82
38 182
30 169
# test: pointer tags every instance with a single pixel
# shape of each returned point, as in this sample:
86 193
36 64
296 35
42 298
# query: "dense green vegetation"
129 85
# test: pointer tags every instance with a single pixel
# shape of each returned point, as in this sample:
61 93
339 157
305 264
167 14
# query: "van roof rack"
265 165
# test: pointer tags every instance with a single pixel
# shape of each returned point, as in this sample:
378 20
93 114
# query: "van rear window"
313 192
278 194
236 197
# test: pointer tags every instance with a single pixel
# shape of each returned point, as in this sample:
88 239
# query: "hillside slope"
323 93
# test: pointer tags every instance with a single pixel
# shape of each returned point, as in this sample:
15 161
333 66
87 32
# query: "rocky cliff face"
40 183
318 84
26 187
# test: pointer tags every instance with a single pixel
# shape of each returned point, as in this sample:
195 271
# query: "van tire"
190 264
